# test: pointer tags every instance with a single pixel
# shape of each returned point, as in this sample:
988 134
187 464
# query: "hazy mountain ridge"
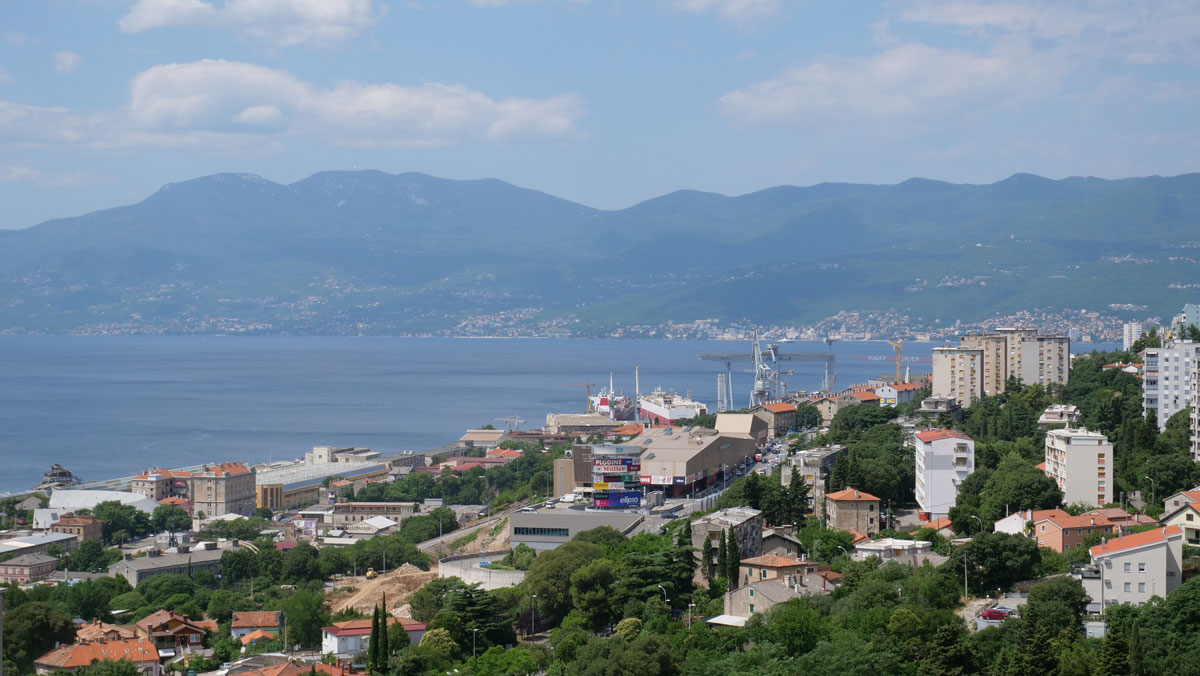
373 252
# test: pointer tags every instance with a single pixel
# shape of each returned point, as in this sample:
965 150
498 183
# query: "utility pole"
533 618
1 631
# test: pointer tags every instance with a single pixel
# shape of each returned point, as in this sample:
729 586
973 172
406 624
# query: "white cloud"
227 103
906 80
5 76
66 62
277 22
740 11
43 179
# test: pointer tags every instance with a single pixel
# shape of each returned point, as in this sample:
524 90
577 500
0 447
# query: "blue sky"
607 102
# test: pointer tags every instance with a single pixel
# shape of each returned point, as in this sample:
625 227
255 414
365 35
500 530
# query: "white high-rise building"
944 458
1168 379
1196 412
1130 332
1081 463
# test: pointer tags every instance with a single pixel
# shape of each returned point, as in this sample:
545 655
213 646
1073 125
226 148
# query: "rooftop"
941 433
29 560
299 475
780 407
1142 539
771 561
852 495
253 619
75 655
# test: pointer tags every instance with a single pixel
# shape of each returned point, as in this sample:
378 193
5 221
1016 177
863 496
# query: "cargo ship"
664 408
613 406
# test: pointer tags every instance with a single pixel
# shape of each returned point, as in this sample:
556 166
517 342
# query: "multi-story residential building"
82 527
1059 415
743 523
1190 314
143 654
1081 463
852 510
225 488
958 374
1195 411
27 568
768 567
1135 568
1061 533
779 416
1187 518
943 459
759 597
982 363
186 562
1168 379
1130 332
897 393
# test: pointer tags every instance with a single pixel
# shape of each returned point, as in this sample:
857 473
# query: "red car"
994 614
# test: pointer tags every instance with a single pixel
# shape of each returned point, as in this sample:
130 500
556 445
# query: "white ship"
664 408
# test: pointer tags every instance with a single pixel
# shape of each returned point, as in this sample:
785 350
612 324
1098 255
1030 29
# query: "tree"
995 560
735 561
373 661
629 628
429 599
385 648
31 629
948 654
440 642
170 517
796 625
723 554
807 416
306 614
594 593
88 557
1056 603
122 667
123 519
706 560
263 513
550 576
1114 655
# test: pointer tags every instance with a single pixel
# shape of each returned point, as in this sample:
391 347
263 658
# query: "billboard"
610 461
617 499
662 480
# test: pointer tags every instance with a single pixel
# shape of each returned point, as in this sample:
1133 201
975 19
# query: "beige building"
346 514
958 374
1187 518
759 597
679 462
743 523
982 363
768 567
225 488
852 510
82 527
1081 463
1135 568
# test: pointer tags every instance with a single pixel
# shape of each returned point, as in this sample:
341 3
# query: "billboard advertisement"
617 499
609 461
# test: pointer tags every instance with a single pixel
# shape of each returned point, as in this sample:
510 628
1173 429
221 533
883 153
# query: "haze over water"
112 406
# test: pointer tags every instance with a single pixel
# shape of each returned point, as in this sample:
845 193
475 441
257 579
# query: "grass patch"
498 527
465 540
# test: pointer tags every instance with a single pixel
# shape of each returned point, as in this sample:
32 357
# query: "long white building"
1081 463
1169 377
944 458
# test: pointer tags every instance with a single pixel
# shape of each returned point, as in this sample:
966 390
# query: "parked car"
995 613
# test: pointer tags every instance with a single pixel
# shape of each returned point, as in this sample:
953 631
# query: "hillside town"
1023 508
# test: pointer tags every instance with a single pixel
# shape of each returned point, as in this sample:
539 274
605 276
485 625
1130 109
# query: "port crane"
512 422
769 382
899 356
588 387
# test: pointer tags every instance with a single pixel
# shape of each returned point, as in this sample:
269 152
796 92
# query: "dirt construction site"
363 595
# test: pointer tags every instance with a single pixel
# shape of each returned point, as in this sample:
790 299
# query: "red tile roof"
906 387
771 561
858 537
97 630
1041 465
938 434
937 524
1136 540
780 408
257 635
1081 521
75 655
850 494
363 627
865 396
255 619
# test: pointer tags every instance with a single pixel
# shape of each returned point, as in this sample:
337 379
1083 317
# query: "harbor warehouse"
678 461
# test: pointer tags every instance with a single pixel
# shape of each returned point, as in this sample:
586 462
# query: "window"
1141 567
752 592
1142 587
1128 586
545 532
1128 567
1189 517
751 608
764 573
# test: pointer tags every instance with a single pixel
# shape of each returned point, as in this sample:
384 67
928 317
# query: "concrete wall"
466 567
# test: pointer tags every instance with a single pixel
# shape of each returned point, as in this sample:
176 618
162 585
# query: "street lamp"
1153 487
844 551
533 618
474 632
664 591
981 528
689 616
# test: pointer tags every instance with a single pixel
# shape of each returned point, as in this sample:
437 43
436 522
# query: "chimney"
1093 522
856 495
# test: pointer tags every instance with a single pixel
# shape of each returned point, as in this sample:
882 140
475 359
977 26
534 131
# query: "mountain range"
369 252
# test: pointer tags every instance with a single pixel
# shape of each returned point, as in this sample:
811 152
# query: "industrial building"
679 462
184 562
291 486
549 526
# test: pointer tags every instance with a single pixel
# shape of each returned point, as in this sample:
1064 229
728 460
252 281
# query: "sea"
111 406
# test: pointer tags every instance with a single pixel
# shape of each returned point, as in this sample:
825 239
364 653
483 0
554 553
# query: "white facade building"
943 459
1169 377
1081 463
1135 568
1130 332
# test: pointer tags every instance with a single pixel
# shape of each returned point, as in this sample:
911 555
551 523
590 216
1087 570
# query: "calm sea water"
112 406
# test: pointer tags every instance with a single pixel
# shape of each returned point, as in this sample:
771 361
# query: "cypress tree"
373 645
723 555
385 652
707 555
735 561
1114 654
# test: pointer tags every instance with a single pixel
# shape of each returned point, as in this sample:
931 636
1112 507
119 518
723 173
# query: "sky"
605 102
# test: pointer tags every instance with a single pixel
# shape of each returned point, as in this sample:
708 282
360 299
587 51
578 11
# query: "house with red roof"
852 510
258 636
248 622
69 657
1061 533
897 393
1186 517
1135 568
779 416
352 636
1018 522
768 567
170 632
